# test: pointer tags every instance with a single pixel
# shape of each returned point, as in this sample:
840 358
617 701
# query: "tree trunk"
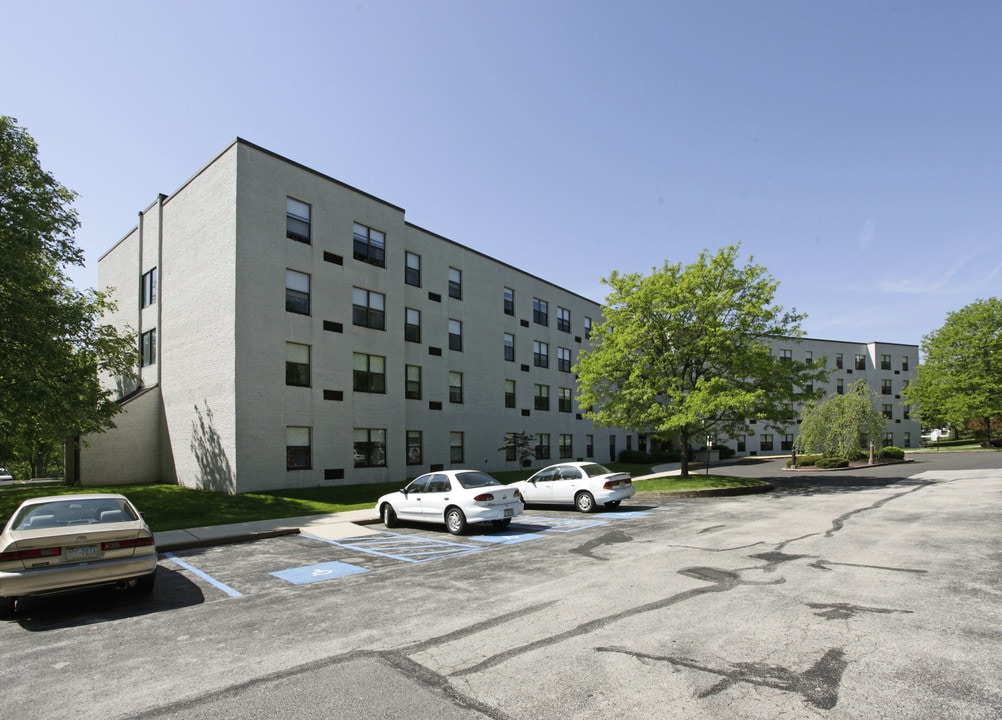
683 440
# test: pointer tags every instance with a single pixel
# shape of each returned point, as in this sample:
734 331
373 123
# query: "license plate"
81 553
509 512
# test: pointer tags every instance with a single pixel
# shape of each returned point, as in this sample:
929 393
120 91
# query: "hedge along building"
295 332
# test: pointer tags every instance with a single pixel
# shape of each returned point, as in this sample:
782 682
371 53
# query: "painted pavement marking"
205 576
407 548
317 573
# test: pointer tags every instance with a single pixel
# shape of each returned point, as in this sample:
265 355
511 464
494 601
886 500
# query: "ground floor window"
566 446
414 447
297 448
370 447
456 447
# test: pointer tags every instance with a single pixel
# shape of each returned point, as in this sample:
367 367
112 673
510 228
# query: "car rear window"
475 480
594 469
61 513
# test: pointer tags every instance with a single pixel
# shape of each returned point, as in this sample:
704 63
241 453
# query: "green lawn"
169 507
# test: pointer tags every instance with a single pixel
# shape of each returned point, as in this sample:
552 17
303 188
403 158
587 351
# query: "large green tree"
52 345
960 378
683 353
842 425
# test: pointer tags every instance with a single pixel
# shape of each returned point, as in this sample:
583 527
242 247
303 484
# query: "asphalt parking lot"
857 595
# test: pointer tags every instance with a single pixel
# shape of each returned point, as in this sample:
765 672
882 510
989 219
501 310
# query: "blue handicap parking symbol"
316 573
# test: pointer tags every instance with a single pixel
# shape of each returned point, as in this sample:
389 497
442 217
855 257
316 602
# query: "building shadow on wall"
216 473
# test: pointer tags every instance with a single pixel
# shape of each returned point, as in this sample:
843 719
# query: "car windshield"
60 513
475 480
594 470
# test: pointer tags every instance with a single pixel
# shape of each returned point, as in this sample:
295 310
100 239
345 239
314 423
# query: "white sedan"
583 484
59 543
454 497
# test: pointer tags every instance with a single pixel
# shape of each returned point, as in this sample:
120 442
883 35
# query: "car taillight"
484 497
518 495
616 483
123 544
30 554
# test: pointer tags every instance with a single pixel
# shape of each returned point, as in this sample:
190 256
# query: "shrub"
827 463
894 453
808 460
635 457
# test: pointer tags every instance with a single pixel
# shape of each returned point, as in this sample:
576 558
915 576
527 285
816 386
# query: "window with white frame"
455 387
455 335
297 220
369 245
412 269
297 292
563 359
540 312
509 347
412 325
297 364
368 309
412 389
563 319
540 354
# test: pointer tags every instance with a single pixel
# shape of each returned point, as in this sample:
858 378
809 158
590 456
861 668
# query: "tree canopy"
960 377
684 353
52 346
842 425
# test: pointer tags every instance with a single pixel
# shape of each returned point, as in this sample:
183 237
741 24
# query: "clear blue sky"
852 148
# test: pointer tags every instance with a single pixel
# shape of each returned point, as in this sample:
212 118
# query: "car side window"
418 485
568 473
544 476
439 483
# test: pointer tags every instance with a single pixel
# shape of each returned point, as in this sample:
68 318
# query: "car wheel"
455 521
584 502
501 524
613 503
7 607
144 585
389 516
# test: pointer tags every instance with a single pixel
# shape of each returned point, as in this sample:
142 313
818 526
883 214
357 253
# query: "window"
564 400
861 362
297 364
888 439
456 447
540 312
542 397
587 327
412 325
414 445
455 387
509 301
563 319
838 360
904 363
786 355
297 448
765 443
368 309
885 387
509 347
412 382
563 359
885 362
908 440
543 446
368 373
589 446
297 292
148 347
786 443
509 393
809 356
540 354
887 411
370 447
455 335
412 269
149 290
839 386
369 245
297 220
510 449
455 283
566 447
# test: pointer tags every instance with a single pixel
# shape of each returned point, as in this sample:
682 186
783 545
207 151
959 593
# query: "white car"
5 477
454 497
60 543
585 485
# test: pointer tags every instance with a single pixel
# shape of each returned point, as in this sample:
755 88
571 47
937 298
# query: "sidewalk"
331 526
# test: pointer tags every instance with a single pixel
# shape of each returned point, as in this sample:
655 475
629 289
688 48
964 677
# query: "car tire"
455 521
7 605
613 503
501 524
144 585
389 515
584 502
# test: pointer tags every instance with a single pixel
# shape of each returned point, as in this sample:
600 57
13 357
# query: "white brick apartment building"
298 332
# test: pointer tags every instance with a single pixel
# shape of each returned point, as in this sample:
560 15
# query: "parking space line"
205 576
406 548
559 524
